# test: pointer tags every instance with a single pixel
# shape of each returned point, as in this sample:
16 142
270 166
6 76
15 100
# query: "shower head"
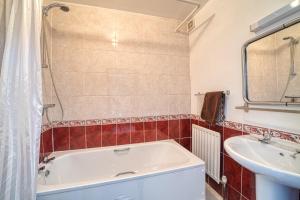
63 7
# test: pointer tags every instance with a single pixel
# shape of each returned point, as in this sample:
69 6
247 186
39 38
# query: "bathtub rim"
194 162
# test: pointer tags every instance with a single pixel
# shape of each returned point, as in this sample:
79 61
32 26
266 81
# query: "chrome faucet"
294 154
46 160
266 138
41 169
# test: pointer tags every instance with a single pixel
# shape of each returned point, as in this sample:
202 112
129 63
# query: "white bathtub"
161 170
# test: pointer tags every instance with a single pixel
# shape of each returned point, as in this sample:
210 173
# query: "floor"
211 194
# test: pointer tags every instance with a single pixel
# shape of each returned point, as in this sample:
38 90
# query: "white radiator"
206 145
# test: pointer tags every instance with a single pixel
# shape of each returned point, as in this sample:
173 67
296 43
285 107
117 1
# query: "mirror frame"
245 65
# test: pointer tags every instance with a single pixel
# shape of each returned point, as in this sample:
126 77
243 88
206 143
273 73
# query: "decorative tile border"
162 118
245 128
46 127
233 125
255 130
76 123
137 119
93 122
123 120
285 136
108 121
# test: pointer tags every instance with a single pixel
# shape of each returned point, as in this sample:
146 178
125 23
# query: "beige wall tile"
110 63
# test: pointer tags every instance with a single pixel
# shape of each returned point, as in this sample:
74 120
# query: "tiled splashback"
110 132
109 63
66 135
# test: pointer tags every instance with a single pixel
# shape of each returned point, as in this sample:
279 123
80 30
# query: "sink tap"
294 154
46 160
266 138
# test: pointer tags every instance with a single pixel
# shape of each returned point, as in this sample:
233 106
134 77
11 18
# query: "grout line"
242 179
144 132
85 137
52 138
101 142
69 130
130 132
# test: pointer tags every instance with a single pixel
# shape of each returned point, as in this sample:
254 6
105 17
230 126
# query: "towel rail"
227 93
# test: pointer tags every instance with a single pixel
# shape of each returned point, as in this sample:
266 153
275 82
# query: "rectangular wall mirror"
271 67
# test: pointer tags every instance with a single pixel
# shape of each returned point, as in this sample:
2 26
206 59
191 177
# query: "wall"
215 57
110 63
2 31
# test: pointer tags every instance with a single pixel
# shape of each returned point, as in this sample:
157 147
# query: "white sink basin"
274 167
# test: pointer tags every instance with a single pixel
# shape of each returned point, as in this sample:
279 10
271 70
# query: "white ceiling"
162 8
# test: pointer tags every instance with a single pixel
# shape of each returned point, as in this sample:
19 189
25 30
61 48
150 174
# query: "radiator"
206 145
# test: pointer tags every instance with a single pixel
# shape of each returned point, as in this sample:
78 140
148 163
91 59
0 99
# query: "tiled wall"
110 132
109 63
241 181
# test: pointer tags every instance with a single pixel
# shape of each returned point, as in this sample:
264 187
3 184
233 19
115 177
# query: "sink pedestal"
266 188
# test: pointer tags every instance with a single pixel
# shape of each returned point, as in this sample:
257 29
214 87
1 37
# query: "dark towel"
211 106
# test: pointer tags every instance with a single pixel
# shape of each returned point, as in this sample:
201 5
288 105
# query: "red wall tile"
203 124
137 132
123 133
228 133
162 130
77 137
233 172
150 131
185 128
93 136
109 135
217 187
194 121
248 184
174 129
47 141
61 139
233 194
186 143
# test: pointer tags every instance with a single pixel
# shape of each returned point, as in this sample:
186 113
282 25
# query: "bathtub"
161 170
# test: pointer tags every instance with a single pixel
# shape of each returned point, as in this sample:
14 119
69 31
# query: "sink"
277 173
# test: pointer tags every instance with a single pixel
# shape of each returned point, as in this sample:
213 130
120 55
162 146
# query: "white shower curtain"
20 100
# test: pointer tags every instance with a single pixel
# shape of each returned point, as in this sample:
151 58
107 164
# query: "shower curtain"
20 100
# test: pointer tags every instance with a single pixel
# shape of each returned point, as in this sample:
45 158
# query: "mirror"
271 67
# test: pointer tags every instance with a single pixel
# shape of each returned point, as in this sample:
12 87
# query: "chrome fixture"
46 160
63 7
296 153
266 138
47 106
292 74
41 169
293 98
293 43
45 55
125 173
121 150
227 93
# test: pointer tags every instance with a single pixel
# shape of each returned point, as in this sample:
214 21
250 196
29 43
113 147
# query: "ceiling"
162 8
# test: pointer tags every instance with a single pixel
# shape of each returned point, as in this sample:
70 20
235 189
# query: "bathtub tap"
46 160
